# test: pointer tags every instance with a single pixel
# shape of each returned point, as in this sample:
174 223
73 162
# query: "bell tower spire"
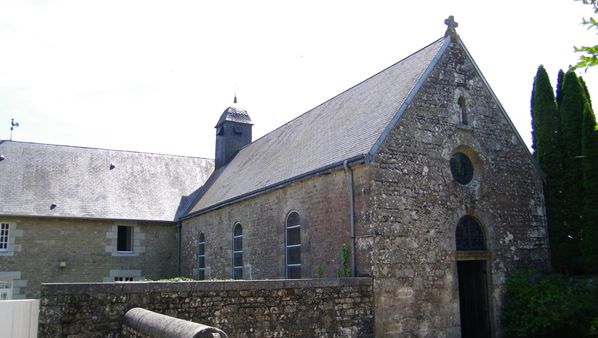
233 132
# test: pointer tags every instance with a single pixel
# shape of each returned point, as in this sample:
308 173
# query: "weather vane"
13 124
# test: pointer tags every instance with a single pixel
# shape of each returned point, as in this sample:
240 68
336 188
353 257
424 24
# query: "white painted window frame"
4 237
288 246
237 252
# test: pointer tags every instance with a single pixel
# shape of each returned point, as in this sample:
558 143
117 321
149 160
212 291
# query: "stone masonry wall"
87 248
274 308
415 204
322 203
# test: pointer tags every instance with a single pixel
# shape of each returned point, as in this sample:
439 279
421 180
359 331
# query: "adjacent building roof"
65 181
349 126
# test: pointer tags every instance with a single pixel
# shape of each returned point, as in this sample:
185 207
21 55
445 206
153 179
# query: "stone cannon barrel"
145 323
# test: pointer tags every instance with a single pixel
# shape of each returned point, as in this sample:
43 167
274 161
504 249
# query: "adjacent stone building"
415 177
73 214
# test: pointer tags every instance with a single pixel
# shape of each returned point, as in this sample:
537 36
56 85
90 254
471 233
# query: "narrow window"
4 227
123 279
238 252
469 235
201 257
293 243
463 104
124 241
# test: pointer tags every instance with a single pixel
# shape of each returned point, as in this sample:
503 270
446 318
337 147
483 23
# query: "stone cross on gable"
451 25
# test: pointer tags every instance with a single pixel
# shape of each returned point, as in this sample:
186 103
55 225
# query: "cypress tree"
545 123
559 86
533 113
589 233
571 111
566 146
586 91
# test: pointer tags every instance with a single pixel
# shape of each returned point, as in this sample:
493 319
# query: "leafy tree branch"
589 57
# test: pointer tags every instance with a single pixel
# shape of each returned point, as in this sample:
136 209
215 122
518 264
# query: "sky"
154 76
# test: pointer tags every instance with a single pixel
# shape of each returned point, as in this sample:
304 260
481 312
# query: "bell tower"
233 132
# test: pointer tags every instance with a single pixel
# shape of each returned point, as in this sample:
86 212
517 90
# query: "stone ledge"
50 289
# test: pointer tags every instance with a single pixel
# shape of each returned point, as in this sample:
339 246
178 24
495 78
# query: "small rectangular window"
5 290
4 229
124 242
123 279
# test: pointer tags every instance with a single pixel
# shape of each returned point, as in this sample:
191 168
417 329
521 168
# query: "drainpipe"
179 227
350 183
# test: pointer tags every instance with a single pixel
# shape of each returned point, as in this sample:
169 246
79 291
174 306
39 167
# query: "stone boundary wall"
266 308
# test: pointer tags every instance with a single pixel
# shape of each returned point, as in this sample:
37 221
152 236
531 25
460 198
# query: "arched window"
201 257
469 235
238 252
463 105
293 244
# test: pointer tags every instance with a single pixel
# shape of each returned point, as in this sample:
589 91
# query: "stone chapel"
415 177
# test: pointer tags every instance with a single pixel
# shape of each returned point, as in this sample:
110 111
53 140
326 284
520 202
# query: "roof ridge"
105 149
344 91
412 93
311 142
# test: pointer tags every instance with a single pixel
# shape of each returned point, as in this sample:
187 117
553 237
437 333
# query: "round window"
461 168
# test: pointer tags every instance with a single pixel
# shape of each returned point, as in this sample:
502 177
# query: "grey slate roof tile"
96 183
341 128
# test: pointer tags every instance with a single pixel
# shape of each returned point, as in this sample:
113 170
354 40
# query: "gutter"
351 184
362 158
179 228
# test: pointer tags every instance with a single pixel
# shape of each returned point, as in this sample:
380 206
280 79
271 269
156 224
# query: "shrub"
548 306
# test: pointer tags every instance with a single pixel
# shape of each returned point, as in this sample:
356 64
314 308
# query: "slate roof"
96 183
234 114
349 126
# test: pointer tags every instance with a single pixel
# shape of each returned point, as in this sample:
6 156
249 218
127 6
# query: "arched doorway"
472 259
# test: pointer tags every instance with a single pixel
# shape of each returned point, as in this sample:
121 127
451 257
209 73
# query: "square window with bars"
4 231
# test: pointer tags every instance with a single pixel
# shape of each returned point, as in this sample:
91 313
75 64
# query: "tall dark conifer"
571 112
545 123
559 86
586 91
589 233
566 146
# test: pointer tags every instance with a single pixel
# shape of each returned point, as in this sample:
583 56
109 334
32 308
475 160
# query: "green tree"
565 139
559 87
546 136
589 55
589 231
571 113
586 91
